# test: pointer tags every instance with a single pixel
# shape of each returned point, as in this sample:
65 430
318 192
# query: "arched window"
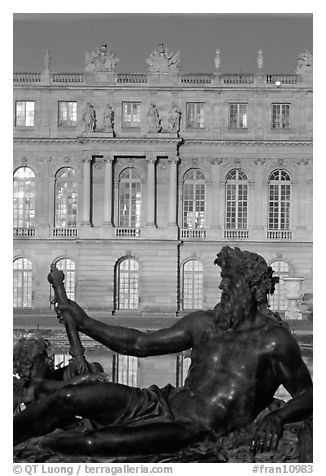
24 198
66 198
69 268
192 284
194 199
279 200
127 284
22 282
278 301
236 205
129 198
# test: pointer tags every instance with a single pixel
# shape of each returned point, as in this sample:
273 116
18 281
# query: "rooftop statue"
217 60
101 60
154 121
304 62
260 60
161 61
89 118
174 119
241 352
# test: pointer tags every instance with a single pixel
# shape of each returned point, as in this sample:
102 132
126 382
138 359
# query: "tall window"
129 198
128 284
194 199
22 282
279 200
238 116
69 268
66 198
192 284
280 116
24 198
236 215
67 113
127 367
278 301
131 114
24 116
195 115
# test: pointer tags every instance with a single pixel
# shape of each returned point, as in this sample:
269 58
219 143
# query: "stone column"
257 201
301 195
108 197
173 185
151 199
86 190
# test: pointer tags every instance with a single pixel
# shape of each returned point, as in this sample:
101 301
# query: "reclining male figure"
241 353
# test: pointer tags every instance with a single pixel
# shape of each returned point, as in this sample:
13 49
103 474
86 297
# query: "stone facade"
160 243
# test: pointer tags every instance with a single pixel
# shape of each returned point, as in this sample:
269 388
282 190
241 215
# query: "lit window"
194 199
278 301
24 114
22 282
128 284
66 198
279 200
192 284
69 268
127 366
236 200
131 114
24 198
67 113
238 116
195 115
129 198
280 116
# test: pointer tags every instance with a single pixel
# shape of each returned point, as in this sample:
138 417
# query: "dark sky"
135 36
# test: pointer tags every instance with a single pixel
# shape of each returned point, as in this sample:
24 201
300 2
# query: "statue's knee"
65 397
88 444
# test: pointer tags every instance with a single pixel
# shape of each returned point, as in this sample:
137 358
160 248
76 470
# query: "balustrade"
132 78
20 232
127 232
198 233
236 234
279 235
64 232
27 77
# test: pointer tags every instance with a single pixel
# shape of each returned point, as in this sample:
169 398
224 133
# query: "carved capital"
87 159
217 161
108 158
303 162
259 161
151 158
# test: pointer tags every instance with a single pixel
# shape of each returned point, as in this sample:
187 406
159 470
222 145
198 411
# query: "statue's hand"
89 377
268 434
77 313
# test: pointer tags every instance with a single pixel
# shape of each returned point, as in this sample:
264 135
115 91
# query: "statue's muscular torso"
230 379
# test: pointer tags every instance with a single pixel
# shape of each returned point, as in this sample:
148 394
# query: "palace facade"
132 183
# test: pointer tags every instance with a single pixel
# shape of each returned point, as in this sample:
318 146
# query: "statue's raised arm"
78 363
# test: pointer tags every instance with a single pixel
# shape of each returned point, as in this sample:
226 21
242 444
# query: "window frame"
125 298
232 205
21 288
132 124
282 302
23 124
199 190
130 187
67 122
281 121
275 212
195 286
236 125
59 217
196 119
22 216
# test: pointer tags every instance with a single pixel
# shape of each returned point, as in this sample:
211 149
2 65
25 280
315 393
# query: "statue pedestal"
293 292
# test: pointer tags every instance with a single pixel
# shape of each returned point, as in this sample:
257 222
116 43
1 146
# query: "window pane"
279 201
193 285
129 199
131 114
128 279
24 198
24 113
66 198
278 301
236 200
22 283
195 115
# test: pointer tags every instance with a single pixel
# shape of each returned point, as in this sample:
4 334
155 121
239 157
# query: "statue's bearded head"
246 281
31 358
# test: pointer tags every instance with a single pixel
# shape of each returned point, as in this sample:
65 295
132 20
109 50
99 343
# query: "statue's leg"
104 402
117 440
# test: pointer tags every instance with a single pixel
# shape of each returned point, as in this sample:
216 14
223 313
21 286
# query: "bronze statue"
241 353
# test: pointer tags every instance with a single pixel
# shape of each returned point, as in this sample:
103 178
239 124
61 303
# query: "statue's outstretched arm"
128 341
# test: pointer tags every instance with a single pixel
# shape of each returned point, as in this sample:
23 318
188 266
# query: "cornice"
174 141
